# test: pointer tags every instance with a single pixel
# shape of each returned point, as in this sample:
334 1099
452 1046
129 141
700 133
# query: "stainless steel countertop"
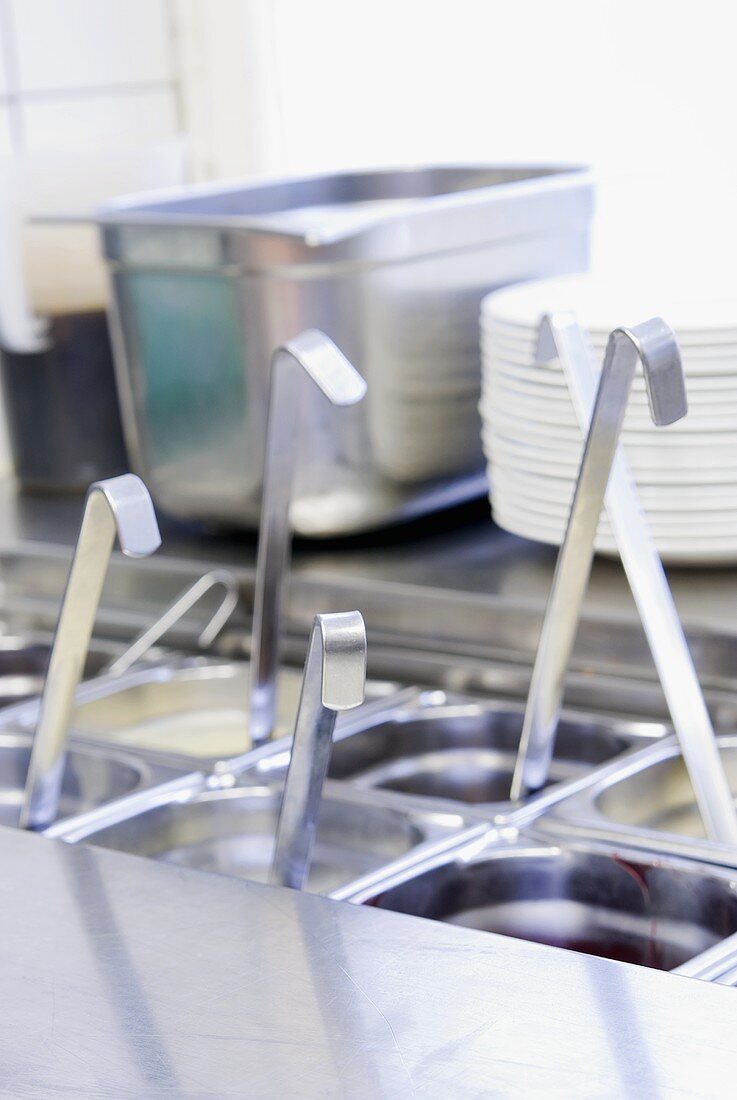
462 551
123 977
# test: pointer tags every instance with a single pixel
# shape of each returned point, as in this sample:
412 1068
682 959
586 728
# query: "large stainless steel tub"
447 747
392 265
231 830
621 905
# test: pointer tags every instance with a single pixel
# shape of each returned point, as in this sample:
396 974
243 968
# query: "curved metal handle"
654 345
122 506
313 354
184 602
649 584
334 680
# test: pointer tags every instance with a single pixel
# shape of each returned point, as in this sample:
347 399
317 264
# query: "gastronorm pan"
92 777
208 280
451 748
644 800
229 829
24 659
185 707
618 903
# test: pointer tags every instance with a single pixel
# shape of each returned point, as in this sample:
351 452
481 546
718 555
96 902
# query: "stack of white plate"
686 473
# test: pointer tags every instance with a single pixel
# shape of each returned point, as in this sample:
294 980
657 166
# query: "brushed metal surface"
138 979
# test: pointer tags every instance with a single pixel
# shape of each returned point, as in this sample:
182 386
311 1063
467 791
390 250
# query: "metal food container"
392 265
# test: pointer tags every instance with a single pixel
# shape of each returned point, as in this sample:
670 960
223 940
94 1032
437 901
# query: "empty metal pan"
660 796
24 660
231 831
619 905
91 777
193 707
647 800
453 748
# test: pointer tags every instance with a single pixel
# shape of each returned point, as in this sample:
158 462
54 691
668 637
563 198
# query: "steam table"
124 977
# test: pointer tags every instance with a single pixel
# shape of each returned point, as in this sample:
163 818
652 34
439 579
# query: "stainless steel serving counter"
120 980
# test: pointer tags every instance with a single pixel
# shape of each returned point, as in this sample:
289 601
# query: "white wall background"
644 90
502 78
93 94
80 73
89 106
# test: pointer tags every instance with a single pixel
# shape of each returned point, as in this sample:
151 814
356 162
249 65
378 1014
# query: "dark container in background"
62 406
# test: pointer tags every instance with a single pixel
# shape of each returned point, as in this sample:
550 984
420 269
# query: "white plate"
497 398
671 548
554 526
694 364
672 552
526 344
523 341
551 374
670 469
672 498
705 448
527 334
722 440
718 522
718 413
557 398
602 304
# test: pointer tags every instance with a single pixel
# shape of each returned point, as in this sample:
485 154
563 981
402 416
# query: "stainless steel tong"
184 602
311 355
334 680
601 411
122 506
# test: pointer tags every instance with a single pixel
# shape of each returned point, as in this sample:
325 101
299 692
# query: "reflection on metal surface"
121 984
